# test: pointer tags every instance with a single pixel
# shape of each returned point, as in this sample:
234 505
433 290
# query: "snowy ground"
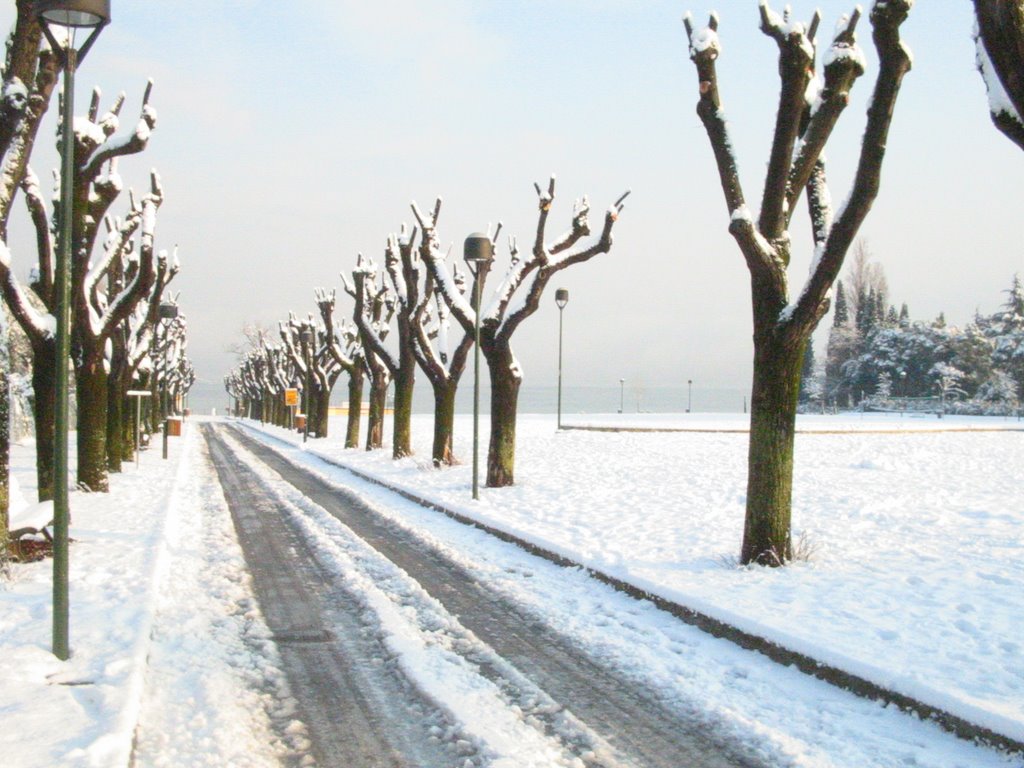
916 579
916 583
163 630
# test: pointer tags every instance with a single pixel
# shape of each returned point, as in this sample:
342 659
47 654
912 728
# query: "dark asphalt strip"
640 729
353 722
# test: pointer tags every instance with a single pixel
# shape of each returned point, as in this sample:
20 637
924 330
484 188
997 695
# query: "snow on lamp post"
561 299
307 339
478 252
71 15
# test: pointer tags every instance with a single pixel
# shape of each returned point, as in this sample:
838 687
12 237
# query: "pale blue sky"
293 135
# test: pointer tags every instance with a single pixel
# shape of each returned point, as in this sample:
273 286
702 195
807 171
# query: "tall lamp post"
307 339
478 252
167 311
561 299
689 394
622 395
72 15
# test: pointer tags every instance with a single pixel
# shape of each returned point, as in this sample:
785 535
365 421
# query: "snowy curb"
780 654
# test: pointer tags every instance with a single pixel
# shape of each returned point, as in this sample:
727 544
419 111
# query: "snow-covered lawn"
916 576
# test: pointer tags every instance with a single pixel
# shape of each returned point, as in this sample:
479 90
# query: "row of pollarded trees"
419 313
812 96
117 278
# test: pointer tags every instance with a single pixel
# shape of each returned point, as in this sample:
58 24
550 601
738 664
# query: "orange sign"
291 397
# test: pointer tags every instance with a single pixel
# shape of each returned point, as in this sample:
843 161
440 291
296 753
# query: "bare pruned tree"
343 344
807 112
401 263
97 185
28 78
441 354
999 34
513 300
374 306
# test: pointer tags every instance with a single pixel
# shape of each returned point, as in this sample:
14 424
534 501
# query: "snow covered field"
916 582
916 577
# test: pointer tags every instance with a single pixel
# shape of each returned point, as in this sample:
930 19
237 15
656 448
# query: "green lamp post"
71 15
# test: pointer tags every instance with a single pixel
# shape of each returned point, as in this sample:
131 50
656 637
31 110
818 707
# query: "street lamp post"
561 299
72 15
307 339
167 311
689 394
478 252
622 395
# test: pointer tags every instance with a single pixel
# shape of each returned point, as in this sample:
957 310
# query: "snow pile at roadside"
916 579
124 560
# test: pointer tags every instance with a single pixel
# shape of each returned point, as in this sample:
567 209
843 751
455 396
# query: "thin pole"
61 511
138 427
309 393
476 385
560 312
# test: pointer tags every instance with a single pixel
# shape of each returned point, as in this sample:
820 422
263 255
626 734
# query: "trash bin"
174 426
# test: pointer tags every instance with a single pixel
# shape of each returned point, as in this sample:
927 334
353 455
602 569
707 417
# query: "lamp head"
73 13
168 311
91 15
478 250
561 297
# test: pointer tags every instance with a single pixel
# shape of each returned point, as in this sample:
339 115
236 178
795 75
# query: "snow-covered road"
760 711
520 693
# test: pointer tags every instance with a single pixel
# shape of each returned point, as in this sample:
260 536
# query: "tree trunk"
5 455
323 411
378 402
444 422
505 382
91 380
776 388
44 394
401 428
115 422
355 409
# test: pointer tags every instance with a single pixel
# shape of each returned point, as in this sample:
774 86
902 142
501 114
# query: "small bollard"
166 435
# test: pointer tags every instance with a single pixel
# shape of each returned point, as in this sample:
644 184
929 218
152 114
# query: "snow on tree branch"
95 139
999 39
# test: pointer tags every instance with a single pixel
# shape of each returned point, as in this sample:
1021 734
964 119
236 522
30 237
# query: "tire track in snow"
640 731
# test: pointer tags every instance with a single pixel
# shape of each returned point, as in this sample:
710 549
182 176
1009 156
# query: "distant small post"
478 252
622 395
689 394
307 340
138 394
561 299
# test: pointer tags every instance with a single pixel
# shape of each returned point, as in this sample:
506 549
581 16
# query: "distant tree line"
879 356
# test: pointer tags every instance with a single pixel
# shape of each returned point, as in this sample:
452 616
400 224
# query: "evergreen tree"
904 316
842 312
807 373
892 319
